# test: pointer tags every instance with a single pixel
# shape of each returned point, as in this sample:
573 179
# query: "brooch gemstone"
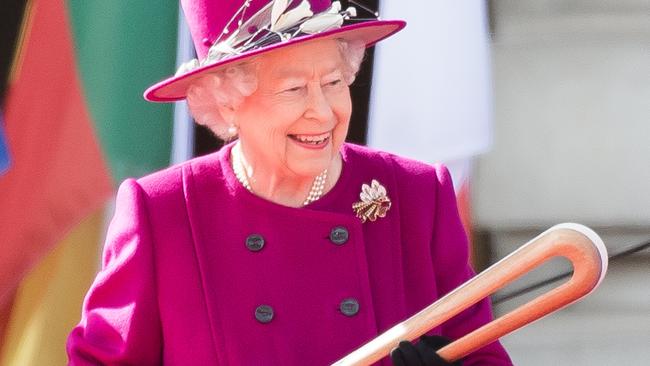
374 202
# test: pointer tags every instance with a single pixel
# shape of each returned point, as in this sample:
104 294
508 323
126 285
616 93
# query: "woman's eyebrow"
289 73
332 69
289 79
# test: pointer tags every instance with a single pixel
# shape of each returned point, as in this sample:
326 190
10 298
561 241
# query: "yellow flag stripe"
48 302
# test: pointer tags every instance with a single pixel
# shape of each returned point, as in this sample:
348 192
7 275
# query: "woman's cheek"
345 108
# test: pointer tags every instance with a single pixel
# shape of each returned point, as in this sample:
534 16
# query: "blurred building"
572 143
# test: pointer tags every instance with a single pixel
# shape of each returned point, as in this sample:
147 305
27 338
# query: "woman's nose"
318 106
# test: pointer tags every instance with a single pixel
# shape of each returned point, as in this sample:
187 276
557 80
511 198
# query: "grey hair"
232 84
352 53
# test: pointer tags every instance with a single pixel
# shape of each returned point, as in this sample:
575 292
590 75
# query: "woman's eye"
293 90
334 83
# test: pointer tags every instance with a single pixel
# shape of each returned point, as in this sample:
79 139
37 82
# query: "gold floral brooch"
374 202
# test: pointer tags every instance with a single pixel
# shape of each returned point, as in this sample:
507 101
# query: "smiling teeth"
312 139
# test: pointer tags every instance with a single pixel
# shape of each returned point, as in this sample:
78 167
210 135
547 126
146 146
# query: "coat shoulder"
408 172
171 180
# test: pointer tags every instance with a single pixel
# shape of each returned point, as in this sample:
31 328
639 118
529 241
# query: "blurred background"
539 107
572 143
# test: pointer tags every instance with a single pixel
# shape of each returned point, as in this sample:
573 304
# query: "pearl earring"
233 130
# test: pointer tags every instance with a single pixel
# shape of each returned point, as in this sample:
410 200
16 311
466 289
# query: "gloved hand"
421 354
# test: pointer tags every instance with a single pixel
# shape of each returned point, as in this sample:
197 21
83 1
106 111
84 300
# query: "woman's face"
297 119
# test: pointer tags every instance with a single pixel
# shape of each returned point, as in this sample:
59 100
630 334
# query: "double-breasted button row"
339 235
265 313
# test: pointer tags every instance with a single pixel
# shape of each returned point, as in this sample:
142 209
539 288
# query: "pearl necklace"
315 192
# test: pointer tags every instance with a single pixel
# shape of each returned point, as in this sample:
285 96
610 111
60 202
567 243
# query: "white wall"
572 115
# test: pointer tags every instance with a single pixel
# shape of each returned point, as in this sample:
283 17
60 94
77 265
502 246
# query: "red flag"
58 174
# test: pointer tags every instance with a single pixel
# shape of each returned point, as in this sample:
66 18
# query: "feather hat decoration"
231 31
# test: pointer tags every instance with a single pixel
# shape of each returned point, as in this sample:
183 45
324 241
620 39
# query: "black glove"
421 354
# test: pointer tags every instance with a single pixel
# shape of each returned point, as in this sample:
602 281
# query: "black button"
349 307
255 242
264 314
339 235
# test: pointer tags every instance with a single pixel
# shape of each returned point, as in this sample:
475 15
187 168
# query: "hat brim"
175 88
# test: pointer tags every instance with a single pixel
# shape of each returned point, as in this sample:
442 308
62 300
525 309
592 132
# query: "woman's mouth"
312 141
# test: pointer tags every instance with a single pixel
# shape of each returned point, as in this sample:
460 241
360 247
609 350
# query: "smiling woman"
292 127
291 119
288 246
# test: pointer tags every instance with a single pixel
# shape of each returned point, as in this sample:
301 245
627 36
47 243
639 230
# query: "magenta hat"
228 31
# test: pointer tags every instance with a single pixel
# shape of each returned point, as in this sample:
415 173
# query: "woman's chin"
311 168
310 161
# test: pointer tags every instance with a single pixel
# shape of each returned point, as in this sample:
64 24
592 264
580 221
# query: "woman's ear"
215 104
228 112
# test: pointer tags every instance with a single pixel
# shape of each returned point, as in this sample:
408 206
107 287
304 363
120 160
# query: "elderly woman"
288 246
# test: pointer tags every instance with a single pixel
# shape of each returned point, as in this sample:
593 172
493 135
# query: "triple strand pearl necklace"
317 187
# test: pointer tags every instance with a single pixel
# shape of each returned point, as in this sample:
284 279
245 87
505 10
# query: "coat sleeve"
120 320
451 263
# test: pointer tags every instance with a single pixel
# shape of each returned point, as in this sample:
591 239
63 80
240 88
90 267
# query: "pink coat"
199 271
